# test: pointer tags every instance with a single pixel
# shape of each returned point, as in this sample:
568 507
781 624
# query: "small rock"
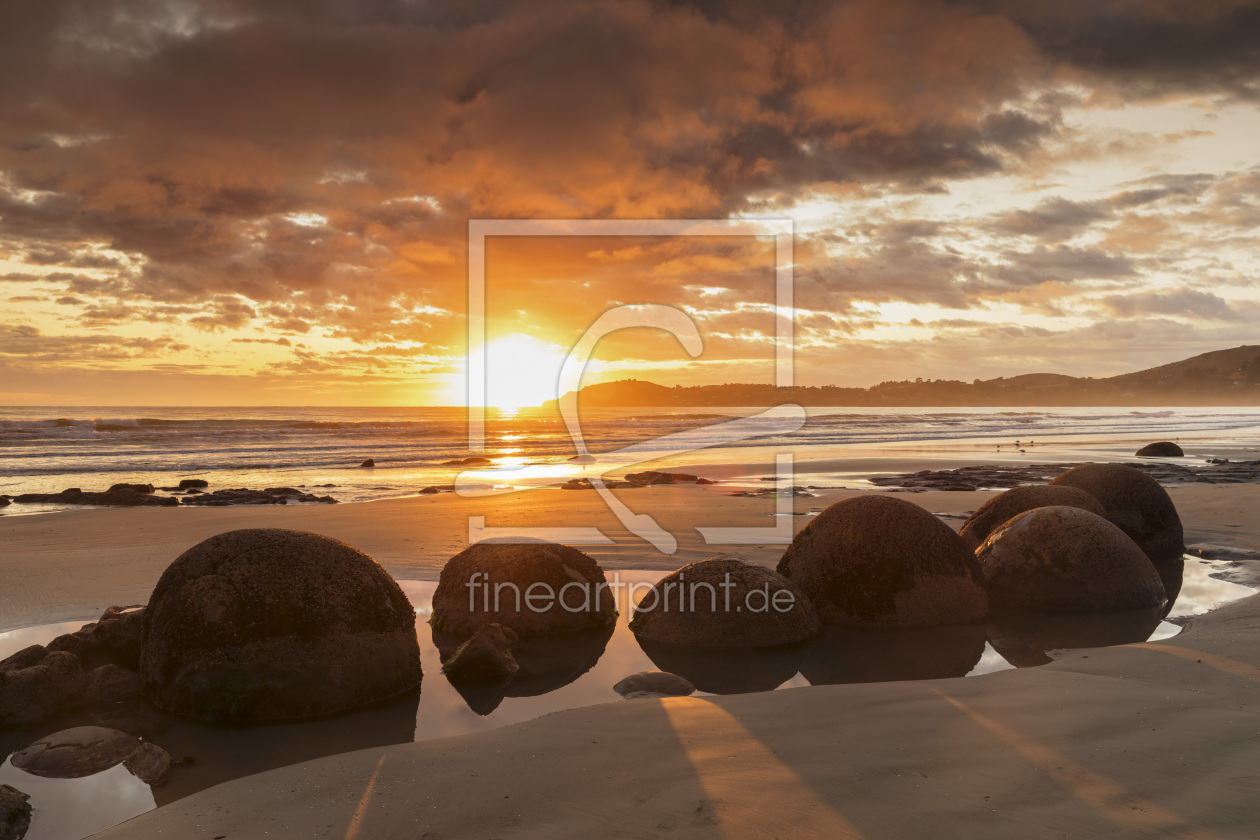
186 483
486 657
15 813
368 463
428 491
4 502
149 763
475 461
654 684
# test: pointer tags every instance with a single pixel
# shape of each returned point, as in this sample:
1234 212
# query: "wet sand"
1152 740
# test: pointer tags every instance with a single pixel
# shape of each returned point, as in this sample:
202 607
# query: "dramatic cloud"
250 175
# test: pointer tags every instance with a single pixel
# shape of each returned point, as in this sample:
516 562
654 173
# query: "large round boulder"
534 588
1162 449
881 562
725 603
1134 501
1005 506
1067 560
271 624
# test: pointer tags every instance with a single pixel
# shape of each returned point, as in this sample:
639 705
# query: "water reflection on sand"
571 673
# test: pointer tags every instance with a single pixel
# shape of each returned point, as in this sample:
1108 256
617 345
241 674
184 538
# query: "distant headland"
1222 377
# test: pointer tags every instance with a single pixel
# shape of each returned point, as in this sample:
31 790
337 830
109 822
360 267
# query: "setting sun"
520 370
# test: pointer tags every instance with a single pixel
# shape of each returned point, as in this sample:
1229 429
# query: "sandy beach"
1141 741
73 564
1149 740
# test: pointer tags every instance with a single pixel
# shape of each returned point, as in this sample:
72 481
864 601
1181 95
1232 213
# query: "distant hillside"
1223 377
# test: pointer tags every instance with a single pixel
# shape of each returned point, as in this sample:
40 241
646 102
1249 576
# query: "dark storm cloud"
1150 47
315 162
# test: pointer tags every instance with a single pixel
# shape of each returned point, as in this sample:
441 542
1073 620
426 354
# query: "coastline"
70 565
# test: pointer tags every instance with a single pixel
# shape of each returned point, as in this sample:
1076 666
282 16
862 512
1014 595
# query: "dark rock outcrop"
474 461
725 603
271 624
1135 502
880 562
654 684
119 497
1067 560
1162 449
245 496
137 488
113 639
491 582
15 813
36 683
368 463
4 502
486 657
199 483
651 477
1004 506
429 491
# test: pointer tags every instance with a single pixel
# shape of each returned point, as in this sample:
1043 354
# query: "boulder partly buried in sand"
1134 501
536 588
1067 560
1005 506
725 603
881 562
75 753
271 624
654 684
1162 449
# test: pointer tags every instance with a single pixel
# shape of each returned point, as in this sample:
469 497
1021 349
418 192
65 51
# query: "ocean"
47 449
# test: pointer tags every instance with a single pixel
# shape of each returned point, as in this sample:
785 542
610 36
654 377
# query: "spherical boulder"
1162 449
1005 506
1067 560
535 588
881 562
1134 501
270 624
725 603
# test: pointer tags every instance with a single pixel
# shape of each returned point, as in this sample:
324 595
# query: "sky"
267 203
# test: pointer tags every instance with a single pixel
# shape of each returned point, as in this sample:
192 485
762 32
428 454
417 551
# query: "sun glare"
521 371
